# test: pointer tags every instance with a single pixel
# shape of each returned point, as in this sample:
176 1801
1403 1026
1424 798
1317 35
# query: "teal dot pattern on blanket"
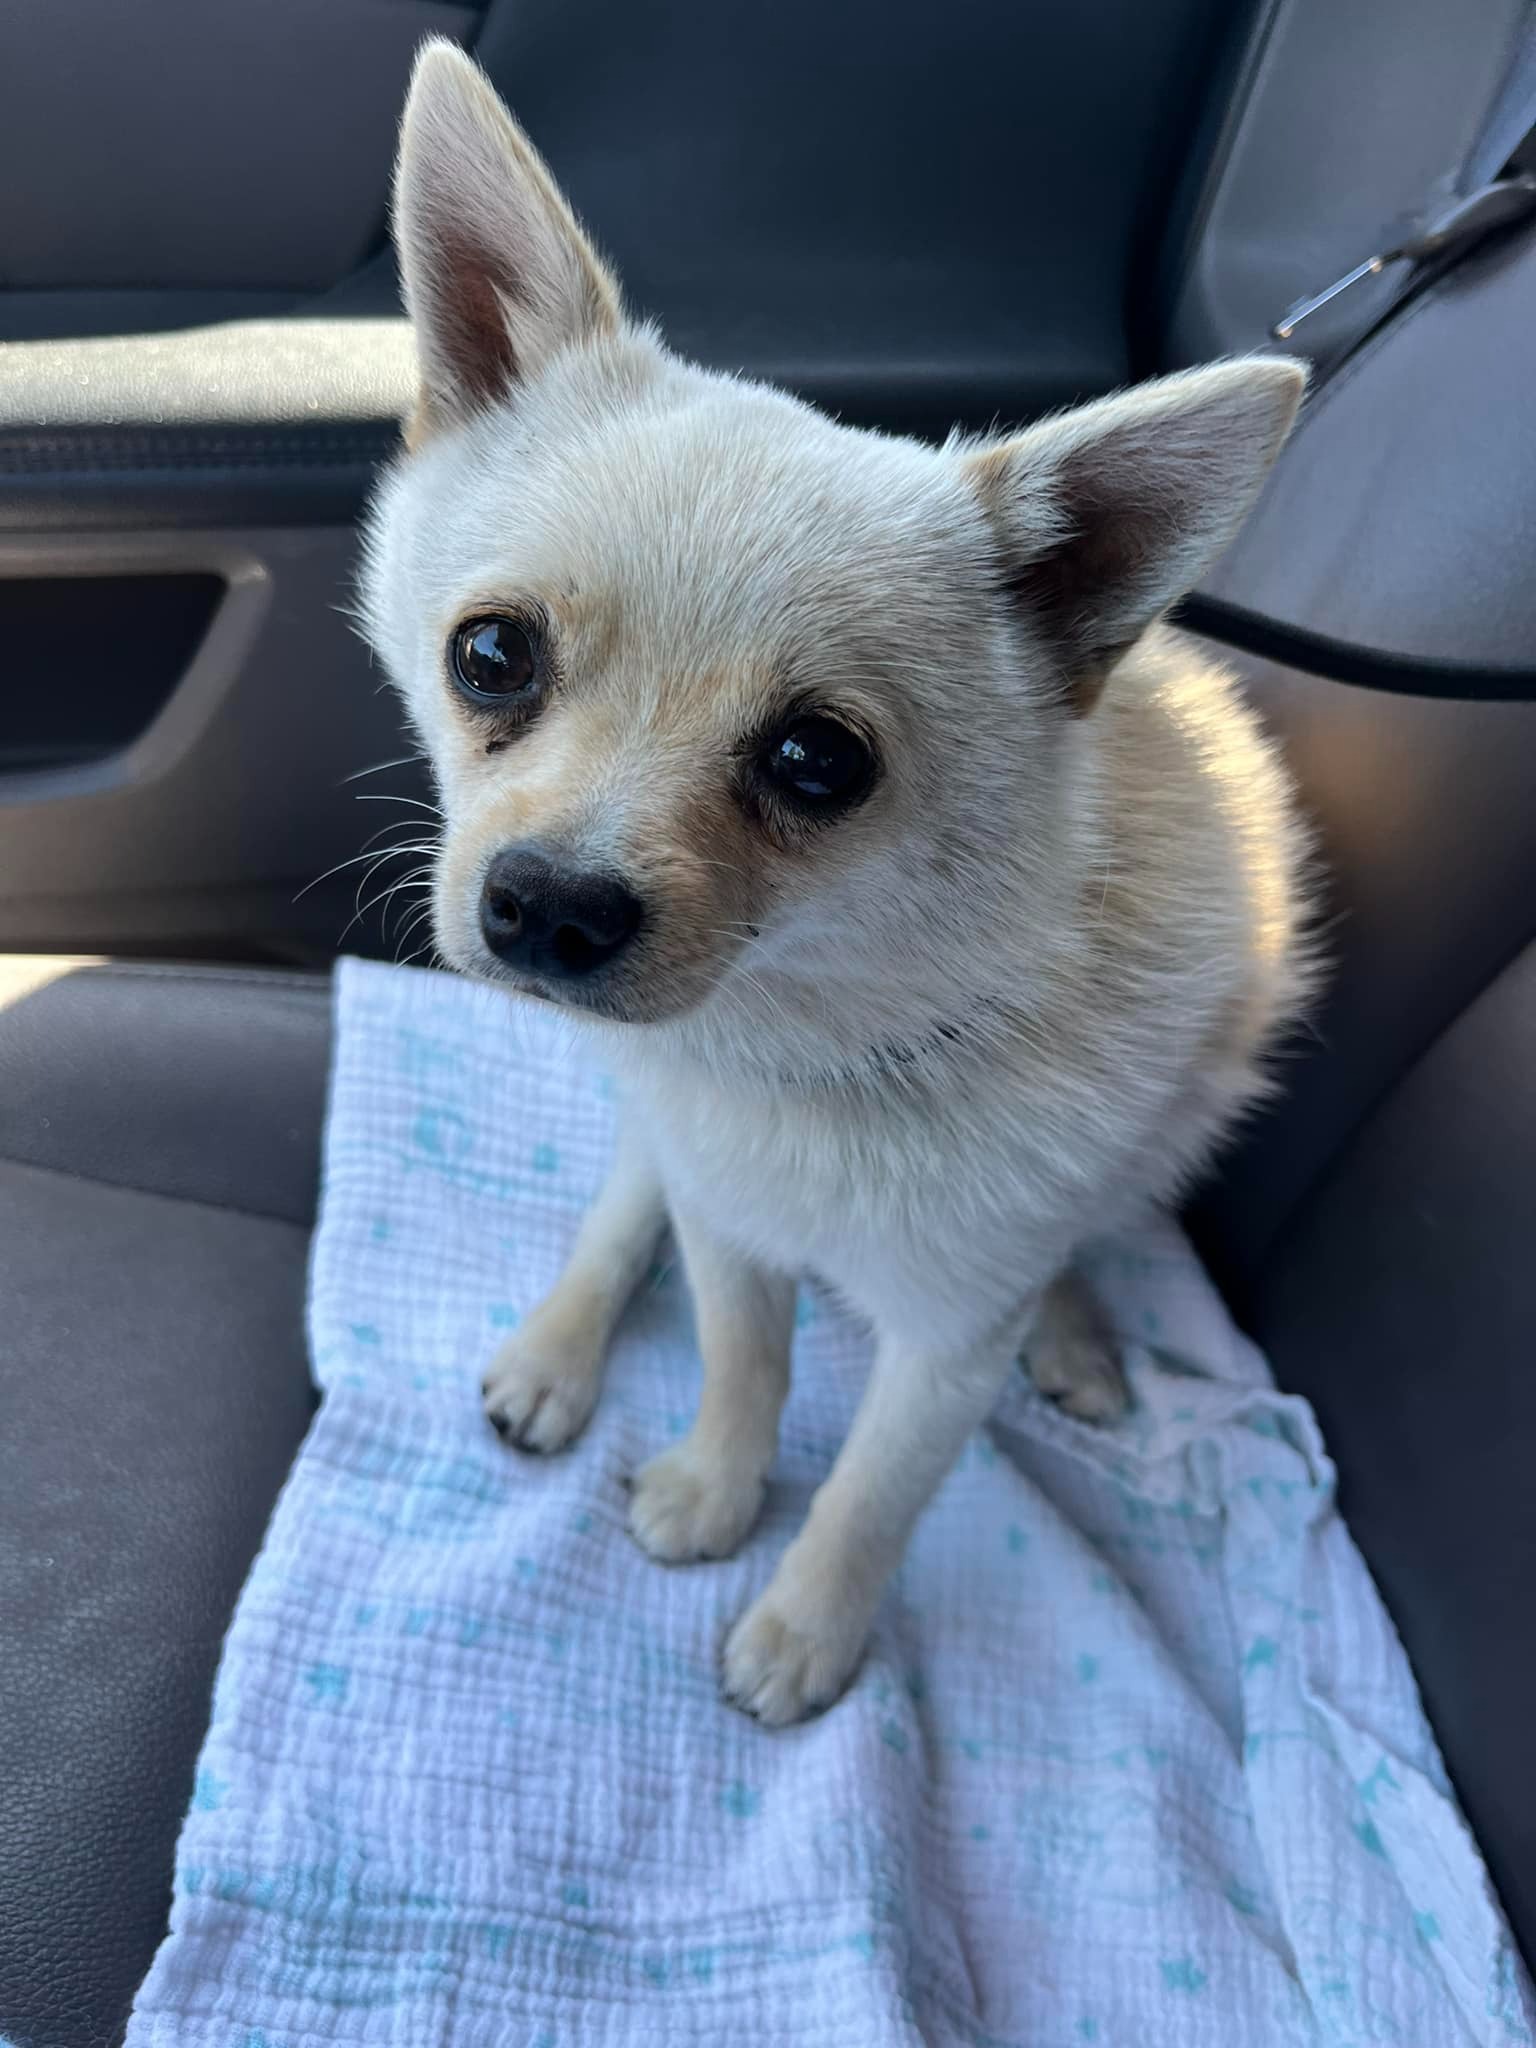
327 1684
1181 1974
1133 1761
207 1792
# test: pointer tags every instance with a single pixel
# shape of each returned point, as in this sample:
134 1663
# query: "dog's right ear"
498 276
1106 515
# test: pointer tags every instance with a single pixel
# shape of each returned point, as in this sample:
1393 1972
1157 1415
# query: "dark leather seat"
159 1155
1401 1300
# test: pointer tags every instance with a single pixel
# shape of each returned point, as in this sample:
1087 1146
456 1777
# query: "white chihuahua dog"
932 902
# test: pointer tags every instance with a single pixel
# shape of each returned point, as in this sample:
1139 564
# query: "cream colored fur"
923 1052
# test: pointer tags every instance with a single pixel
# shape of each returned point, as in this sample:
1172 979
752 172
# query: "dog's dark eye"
495 658
819 764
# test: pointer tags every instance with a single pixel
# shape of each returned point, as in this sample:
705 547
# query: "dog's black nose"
554 920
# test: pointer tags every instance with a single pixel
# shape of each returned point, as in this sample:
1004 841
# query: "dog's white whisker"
411 958
379 862
368 853
418 914
381 767
417 803
383 896
399 825
413 924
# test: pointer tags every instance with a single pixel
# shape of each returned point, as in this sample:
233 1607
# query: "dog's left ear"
498 275
1106 515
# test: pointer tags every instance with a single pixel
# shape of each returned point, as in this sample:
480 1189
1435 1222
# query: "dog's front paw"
686 1506
539 1393
785 1658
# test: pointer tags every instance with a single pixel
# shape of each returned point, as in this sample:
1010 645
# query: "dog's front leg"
700 1498
798 1644
544 1381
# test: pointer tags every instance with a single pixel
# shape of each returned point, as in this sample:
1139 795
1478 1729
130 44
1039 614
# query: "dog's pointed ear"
498 276
1106 515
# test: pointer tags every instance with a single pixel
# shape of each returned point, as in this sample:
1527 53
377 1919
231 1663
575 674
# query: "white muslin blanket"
1135 1758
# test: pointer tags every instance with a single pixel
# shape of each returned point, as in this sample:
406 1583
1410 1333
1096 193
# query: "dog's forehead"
732 518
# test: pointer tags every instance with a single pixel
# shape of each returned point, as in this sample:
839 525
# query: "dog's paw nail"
538 1398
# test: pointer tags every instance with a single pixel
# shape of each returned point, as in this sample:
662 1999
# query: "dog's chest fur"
911 1207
